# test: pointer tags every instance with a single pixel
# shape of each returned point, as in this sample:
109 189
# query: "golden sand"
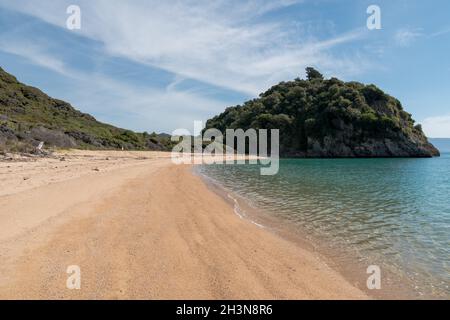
140 227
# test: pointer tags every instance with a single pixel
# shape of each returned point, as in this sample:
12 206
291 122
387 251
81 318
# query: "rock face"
343 145
28 116
372 148
330 119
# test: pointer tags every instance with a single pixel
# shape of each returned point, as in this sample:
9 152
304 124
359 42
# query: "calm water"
392 211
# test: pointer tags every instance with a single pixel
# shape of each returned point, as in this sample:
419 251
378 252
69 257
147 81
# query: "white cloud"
139 107
224 43
35 54
441 32
217 42
437 127
405 37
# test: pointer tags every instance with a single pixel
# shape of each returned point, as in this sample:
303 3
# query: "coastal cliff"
330 118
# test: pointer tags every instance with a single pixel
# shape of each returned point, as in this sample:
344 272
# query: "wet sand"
140 227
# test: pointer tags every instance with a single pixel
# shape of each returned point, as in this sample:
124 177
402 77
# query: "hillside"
28 116
330 118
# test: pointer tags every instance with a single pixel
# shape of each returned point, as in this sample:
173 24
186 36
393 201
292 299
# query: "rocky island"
330 118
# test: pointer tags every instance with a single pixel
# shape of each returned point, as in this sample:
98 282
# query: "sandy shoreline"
345 260
140 227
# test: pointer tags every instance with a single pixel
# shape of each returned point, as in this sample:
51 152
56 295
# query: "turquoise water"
395 212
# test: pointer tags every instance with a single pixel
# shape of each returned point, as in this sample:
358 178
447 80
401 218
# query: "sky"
161 65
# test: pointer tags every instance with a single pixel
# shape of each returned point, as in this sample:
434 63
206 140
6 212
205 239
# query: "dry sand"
140 227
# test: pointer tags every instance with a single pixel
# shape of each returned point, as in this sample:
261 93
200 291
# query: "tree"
312 74
418 127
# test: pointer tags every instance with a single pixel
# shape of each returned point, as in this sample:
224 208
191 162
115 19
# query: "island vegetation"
320 117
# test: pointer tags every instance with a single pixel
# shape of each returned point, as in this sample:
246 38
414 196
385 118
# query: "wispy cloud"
229 48
405 37
139 105
441 32
217 42
34 54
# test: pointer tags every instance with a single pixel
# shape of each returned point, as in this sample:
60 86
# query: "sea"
391 213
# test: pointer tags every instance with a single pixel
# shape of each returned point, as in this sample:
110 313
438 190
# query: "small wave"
237 209
241 213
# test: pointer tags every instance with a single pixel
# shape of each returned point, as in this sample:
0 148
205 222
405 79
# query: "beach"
140 227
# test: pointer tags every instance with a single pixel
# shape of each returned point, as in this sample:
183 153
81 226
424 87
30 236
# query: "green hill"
330 118
28 116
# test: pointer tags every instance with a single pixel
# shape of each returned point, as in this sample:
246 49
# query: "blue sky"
160 65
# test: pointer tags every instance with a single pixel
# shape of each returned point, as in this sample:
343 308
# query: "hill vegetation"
28 116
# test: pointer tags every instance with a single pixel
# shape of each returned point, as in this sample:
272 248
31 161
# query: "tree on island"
312 74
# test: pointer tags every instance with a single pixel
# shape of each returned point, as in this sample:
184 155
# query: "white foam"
241 213
237 209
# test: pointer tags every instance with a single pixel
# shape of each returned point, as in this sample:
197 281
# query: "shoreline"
347 262
149 230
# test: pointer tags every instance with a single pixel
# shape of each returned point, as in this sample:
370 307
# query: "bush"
418 127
